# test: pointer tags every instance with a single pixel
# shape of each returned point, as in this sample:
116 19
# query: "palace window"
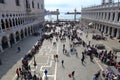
38 5
17 2
32 4
2 1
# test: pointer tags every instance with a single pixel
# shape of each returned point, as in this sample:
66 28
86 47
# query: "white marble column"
15 38
116 16
111 16
118 33
99 27
104 15
1 49
113 31
107 16
104 29
108 32
9 45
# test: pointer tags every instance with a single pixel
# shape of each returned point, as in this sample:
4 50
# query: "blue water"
61 16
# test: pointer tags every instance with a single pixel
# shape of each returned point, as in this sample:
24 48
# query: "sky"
69 5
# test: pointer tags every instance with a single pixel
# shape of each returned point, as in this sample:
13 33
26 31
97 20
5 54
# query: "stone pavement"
45 60
109 43
11 59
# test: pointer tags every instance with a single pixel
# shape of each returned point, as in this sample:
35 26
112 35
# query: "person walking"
62 63
83 57
73 73
19 49
57 57
17 72
34 77
46 72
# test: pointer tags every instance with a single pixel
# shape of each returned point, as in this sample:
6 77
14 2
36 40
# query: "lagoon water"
62 16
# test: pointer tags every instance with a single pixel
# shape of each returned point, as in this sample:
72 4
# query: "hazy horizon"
70 5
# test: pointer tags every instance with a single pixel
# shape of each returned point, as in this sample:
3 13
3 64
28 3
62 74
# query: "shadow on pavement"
11 57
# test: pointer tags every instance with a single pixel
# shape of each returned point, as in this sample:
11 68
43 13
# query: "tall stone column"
98 26
9 43
107 15
101 27
113 31
1 49
103 16
118 33
111 16
104 29
15 38
108 30
116 16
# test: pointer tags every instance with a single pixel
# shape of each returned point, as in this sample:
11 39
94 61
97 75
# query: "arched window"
7 26
118 16
113 16
13 22
10 22
2 24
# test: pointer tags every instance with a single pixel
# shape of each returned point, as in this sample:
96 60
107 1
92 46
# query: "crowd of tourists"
24 72
107 57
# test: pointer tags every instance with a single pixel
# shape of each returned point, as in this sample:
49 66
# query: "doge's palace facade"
105 17
19 19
